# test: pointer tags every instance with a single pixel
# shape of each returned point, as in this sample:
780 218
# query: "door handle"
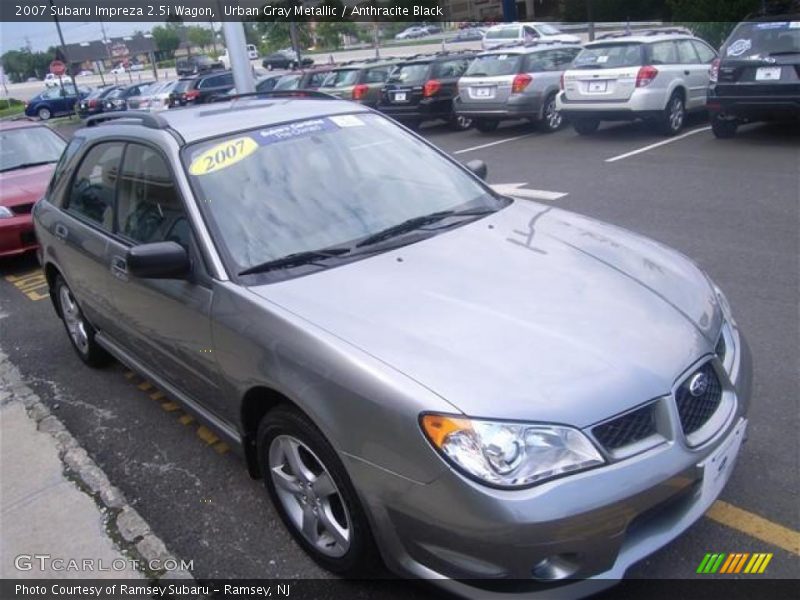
686 72
61 231
119 268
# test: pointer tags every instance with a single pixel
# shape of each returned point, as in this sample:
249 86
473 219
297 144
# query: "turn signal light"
360 91
713 72
431 88
438 427
520 82
645 76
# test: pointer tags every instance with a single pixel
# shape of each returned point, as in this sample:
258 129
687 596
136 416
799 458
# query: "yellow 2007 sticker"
223 155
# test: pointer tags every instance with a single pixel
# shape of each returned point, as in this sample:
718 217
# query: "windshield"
287 82
182 85
756 40
265 202
492 65
609 56
414 73
547 29
343 78
503 33
28 146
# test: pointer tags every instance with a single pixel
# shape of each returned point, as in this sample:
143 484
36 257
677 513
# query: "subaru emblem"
698 384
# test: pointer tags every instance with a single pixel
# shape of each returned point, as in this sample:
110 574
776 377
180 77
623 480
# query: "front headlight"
723 304
5 212
512 455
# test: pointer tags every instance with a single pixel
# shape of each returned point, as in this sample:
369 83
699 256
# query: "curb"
123 524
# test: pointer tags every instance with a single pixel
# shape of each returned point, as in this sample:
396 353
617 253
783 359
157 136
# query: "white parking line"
656 145
511 139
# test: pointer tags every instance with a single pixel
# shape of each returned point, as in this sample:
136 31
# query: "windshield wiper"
419 222
28 164
295 260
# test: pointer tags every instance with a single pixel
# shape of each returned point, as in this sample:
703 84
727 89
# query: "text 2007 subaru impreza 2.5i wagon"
480 388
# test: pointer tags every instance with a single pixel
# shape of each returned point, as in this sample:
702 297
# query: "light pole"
63 51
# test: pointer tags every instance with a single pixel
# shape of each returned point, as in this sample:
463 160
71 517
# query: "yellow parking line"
170 406
205 434
221 447
755 526
129 374
145 385
157 395
186 419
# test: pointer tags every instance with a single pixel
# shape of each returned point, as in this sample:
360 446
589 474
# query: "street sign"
58 68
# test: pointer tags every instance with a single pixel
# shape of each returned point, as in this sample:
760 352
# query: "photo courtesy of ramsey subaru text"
427 375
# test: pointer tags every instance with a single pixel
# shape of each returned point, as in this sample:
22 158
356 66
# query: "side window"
663 53
208 82
92 192
378 75
61 168
148 206
535 62
686 53
705 53
451 68
529 33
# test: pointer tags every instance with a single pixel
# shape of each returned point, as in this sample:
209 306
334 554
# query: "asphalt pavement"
730 205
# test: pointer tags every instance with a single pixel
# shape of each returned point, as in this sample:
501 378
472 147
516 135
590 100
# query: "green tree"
21 64
199 36
329 33
167 40
712 20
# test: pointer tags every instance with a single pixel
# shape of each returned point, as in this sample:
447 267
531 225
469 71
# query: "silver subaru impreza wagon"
427 375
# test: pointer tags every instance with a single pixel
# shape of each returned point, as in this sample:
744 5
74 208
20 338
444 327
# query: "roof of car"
645 36
530 47
19 124
221 118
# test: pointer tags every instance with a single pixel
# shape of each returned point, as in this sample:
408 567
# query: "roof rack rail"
645 32
308 94
147 119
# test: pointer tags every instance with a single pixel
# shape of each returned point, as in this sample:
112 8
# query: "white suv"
657 75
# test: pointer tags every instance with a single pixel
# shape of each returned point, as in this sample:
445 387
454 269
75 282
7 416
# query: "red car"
28 155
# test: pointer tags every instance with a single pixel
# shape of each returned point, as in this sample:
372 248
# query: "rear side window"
451 68
315 79
413 73
663 53
61 168
182 85
148 206
287 82
92 193
494 65
609 56
550 60
341 78
503 33
377 75
686 53
705 53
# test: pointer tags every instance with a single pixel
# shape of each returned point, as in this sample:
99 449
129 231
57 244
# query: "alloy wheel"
74 320
44 114
309 496
676 114
552 115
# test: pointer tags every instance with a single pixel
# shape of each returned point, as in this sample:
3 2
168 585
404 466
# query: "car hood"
23 186
532 313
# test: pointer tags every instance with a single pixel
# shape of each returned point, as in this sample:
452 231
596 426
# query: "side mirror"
160 260
478 167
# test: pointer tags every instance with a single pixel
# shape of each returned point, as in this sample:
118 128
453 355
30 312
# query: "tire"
268 66
80 332
585 126
286 436
486 125
552 119
674 116
460 122
44 113
723 129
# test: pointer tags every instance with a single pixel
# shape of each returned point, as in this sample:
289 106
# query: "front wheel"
81 333
313 494
44 113
671 121
552 119
585 126
723 128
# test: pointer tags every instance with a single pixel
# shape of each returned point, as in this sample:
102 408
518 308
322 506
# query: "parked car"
307 79
94 102
515 83
422 88
469 34
55 101
86 73
51 80
657 76
224 59
522 33
201 88
118 99
411 380
285 59
154 98
136 67
195 65
410 33
28 154
432 29
359 82
265 83
120 69
757 77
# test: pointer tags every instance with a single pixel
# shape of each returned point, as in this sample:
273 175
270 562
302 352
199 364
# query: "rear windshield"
493 65
182 85
755 40
503 33
413 73
343 78
609 56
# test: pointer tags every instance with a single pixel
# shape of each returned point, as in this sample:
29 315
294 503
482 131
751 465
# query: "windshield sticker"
602 59
739 47
773 25
223 155
347 121
294 130
794 25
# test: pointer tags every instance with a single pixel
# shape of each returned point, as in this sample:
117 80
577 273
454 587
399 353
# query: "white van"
522 33
252 54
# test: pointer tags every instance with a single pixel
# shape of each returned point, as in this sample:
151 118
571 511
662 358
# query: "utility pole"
64 51
590 18
236 44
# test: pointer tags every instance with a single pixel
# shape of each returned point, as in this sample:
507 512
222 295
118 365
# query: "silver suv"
517 82
656 75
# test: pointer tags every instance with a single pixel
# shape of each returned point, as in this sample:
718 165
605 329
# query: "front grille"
22 209
696 410
627 429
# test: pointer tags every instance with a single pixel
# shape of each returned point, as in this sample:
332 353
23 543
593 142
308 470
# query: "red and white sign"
58 68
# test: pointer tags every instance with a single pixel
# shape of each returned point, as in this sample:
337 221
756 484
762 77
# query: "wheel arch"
50 274
256 403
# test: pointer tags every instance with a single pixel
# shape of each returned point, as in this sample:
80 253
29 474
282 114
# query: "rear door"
695 73
664 57
488 78
604 72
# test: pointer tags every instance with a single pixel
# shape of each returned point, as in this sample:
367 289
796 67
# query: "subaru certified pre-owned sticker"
294 130
739 47
347 121
223 155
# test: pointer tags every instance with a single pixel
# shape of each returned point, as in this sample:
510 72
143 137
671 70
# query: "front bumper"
590 527
17 236
642 104
518 106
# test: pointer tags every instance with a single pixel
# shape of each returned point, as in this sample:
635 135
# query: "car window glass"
609 56
378 75
341 78
503 33
412 73
493 65
451 68
705 53
70 151
287 82
686 53
663 53
92 192
148 206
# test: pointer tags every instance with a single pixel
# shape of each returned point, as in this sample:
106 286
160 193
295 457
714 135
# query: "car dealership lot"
730 205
